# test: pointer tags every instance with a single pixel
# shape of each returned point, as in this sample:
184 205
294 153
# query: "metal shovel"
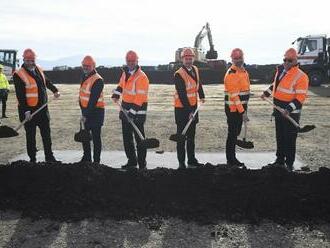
147 143
243 143
7 132
303 129
180 137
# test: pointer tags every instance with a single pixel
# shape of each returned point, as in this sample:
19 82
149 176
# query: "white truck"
8 58
314 57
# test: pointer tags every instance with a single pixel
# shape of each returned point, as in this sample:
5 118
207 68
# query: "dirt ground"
19 231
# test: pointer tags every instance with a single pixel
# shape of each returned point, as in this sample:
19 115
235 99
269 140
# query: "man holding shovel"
237 94
289 90
187 90
31 86
133 89
92 105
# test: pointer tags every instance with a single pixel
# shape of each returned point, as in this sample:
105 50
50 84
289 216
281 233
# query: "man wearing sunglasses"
133 89
31 86
289 90
237 94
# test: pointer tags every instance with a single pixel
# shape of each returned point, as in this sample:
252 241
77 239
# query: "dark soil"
77 191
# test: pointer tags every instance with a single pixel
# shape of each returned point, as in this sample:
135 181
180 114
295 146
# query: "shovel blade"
306 128
149 143
177 137
7 132
82 136
245 144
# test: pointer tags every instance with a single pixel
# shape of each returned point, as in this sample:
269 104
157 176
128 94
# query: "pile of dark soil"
77 191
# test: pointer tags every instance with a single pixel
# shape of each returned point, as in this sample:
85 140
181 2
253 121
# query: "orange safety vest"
192 87
294 85
135 89
85 92
31 87
237 89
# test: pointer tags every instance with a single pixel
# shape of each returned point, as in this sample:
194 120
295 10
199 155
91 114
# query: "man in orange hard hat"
289 90
133 89
237 94
92 105
31 90
188 89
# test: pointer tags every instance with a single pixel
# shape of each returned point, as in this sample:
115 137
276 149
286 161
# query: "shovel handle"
245 130
282 111
190 121
33 114
131 121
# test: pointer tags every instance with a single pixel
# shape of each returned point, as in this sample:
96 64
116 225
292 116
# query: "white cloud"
264 29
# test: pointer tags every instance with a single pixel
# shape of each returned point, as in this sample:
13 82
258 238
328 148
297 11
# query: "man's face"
188 61
87 69
289 63
238 61
131 64
30 64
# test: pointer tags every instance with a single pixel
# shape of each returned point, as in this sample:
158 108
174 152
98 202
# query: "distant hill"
75 60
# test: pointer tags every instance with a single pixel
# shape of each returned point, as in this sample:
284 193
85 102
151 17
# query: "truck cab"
313 57
8 58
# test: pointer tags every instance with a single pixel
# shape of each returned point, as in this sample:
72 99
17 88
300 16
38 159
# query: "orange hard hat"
131 56
88 60
237 53
187 52
29 54
291 53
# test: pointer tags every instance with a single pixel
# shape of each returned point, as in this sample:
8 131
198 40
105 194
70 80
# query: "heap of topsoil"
81 190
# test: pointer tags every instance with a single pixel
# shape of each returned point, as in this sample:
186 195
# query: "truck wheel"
316 78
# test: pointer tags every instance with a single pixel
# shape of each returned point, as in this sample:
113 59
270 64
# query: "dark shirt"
42 91
94 115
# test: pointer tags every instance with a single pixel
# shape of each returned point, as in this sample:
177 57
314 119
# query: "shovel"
83 135
243 143
147 143
303 129
182 137
7 132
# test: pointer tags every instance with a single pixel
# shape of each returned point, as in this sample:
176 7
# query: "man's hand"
285 113
83 119
28 116
202 100
245 117
57 94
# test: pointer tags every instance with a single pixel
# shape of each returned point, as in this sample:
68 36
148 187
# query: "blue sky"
155 29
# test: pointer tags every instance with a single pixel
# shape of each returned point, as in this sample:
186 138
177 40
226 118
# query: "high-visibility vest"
85 92
293 85
192 87
135 89
31 87
237 89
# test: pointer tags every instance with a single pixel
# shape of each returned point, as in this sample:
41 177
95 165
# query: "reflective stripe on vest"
291 90
85 92
192 87
31 87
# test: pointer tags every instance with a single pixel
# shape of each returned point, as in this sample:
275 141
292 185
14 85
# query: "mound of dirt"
81 190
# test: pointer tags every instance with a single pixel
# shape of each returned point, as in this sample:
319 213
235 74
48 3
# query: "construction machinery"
8 58
314 57
202 59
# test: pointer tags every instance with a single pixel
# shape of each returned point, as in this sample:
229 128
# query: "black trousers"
3 97
128 132
234 121
97 145
31 129
286 136
188 145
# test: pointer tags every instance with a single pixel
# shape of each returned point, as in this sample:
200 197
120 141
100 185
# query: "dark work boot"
182 166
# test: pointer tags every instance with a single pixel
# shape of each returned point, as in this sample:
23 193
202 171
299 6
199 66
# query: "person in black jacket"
31 86
92 108
188 86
